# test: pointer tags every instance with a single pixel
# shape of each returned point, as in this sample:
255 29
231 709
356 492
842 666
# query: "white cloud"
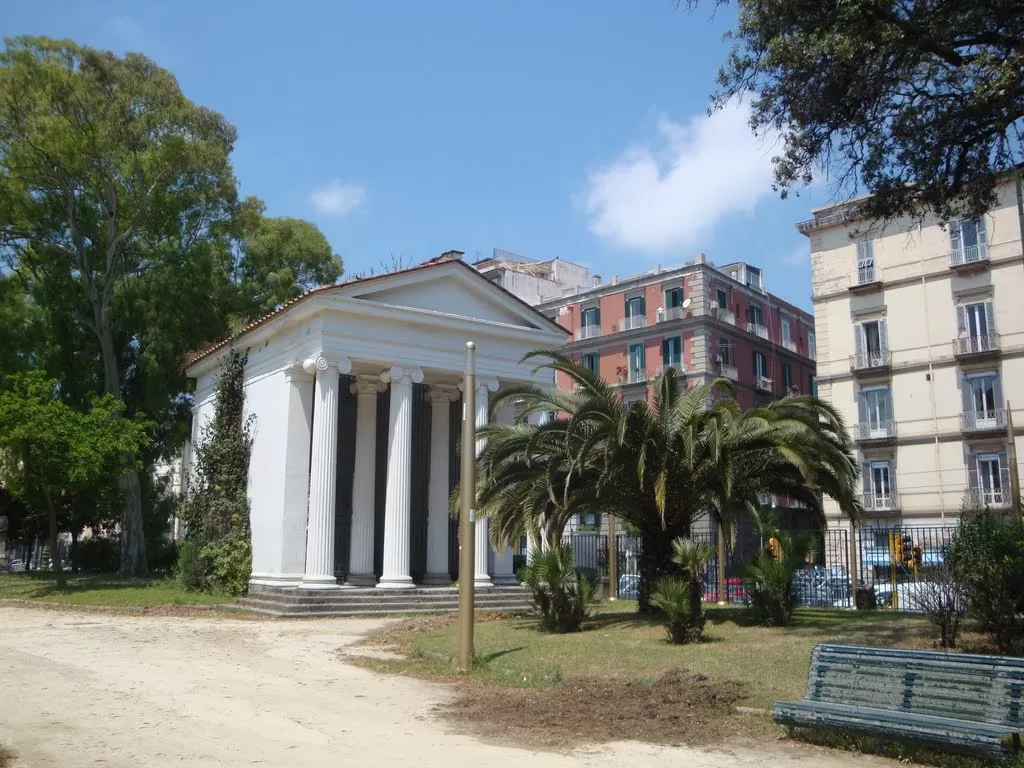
799 257
337 198
665 197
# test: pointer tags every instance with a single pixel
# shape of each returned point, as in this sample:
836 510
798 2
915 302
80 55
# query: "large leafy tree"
120 219
920 102
50 451
662 466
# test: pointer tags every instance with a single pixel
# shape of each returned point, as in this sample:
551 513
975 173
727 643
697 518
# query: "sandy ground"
101 690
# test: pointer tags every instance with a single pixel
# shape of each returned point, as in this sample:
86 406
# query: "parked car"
16 565
629 583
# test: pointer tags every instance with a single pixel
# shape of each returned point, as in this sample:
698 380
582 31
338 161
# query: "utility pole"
722 597
613 560
467 534
1011 457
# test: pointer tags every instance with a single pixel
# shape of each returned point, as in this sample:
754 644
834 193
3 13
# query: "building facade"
353 392
532 280
920 341
705 321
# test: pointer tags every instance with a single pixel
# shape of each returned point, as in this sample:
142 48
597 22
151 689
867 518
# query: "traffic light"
774 549
897 548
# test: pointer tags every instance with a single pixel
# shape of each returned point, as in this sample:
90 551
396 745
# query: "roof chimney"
700 258
451 256
615 279
597 280
657 269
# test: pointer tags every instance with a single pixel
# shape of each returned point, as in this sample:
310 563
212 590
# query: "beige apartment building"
920 341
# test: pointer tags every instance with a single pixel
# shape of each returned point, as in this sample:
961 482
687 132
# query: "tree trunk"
51 511
655 561
28 558
133 540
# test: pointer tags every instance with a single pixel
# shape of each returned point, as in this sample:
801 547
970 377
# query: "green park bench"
958 701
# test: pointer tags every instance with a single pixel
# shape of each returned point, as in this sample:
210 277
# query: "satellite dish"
686 303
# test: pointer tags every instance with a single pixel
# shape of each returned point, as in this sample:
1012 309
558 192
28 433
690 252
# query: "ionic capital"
318 364
396 373
442 393
367 385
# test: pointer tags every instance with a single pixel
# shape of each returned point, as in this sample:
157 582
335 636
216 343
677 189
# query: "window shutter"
961 320
665 352
980 224
955 240
966 393
862 407
887 398
756 372
892 477
1004 465
990 316
865 476
883 336
997 394
972 472
643 306
597 316
858 341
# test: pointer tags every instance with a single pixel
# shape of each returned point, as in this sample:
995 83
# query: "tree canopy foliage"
123 241
919 102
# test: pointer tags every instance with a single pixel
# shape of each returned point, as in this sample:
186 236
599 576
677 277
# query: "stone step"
436 606
341 613
387 599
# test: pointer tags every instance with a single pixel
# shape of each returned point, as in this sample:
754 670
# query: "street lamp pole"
467 534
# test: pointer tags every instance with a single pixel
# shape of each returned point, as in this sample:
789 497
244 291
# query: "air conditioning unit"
714 310
660 314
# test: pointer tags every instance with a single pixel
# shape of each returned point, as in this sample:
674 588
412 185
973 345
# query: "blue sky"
403 129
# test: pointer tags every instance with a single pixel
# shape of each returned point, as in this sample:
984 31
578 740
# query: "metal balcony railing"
996 498
880 502
971 254
865 361
866 275
677 367
637 376
875 430
673 313
728 371
758 330
789 344
588 332
975 345
980 421
724 315
630 323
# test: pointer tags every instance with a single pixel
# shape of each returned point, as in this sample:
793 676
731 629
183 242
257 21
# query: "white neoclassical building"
354 393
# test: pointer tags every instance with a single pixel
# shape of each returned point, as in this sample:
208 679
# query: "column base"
361 580
319 582
506 581
437 580
483 582
272 580
396 582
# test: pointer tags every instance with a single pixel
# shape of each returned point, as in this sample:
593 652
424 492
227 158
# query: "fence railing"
978 344
968 255
893 563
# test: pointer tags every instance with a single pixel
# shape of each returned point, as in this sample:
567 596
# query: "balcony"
677 367
876 360
866 280
637 376
587 332
880 503
992 497
757 330
789 344
728 371
970 258
724 315
993 420
671 313
875 431
976 346
762 384
632 323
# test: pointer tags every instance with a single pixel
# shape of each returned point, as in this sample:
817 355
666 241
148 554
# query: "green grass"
101 590
621 645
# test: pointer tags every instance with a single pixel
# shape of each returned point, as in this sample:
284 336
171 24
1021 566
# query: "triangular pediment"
452 291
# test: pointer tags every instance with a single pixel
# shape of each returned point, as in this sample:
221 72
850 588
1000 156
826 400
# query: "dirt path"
115 691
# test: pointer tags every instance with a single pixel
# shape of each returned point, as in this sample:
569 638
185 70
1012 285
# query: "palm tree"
692 556
659 466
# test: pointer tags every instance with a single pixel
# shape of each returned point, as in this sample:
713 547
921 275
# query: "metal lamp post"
467 525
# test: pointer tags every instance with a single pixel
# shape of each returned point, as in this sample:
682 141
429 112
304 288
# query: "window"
812 345
588 521
875 412
975 320
673 298
590 361
725 350
495 278
871 343
787 376
967 241
754 277
672 351
637 363
988 479
760 365
754 315
635 307
787 338
590 317
878 485
723 298
982 400
865 262
812 384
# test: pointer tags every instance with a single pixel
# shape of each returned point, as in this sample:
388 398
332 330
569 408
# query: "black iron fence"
891 564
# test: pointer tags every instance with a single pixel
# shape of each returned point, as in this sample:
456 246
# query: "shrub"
96 554
989 553
771 573
673 596
562 597
190 570
939 595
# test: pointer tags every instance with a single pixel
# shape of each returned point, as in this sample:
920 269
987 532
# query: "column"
437 517
399 487
360 560
481 575
295 511
322 471
536 537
